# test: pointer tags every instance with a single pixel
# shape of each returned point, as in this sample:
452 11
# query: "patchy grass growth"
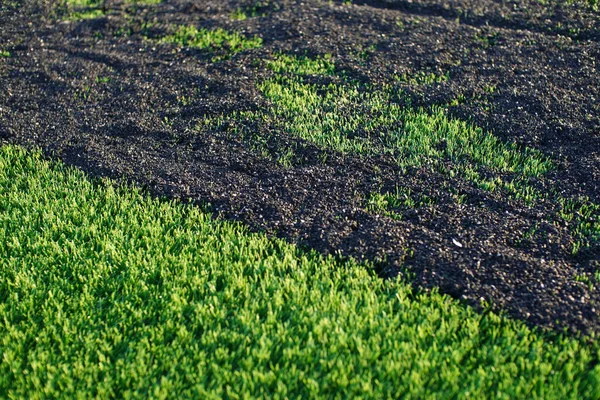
302 65
90 9
239 15
392 204
583 217
365 120
216 40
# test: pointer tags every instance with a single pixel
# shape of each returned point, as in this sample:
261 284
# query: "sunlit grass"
90 9
366 120
301 65
583 217
218 39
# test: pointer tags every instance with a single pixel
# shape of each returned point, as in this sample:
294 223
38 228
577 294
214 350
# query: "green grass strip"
215 39
89 9
353 119
301 65
107 293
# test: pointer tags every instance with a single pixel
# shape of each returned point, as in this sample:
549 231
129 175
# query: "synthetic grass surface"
107 293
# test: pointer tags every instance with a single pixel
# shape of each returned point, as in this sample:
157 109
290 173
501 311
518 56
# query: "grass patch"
354 118
258 9
301 65
239 15
583 217
422 78
5 54
84 9
216 40
593 4
105 292
89 9
364 120
394 203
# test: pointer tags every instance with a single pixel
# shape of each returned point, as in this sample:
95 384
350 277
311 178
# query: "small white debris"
457 243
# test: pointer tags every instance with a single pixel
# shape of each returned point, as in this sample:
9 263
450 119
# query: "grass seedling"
301 65
583 217
395 203
422 78
239 15
89 9
215 40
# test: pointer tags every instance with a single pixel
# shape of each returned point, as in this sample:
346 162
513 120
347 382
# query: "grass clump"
215 40
301 65
89 9
239 15
393 203
84 9
583 217
105 292
422 78
258 9
5 54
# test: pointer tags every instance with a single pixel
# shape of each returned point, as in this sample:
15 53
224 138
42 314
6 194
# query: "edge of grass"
106 292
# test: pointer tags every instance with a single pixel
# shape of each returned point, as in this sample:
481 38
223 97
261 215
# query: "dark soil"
541 59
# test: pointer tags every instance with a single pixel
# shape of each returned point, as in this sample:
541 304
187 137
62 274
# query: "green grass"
364 120
583 217
393 203
239 15
105 292
593 4
78 10
301 65
354 118
257 9
144 2
4 54
215 40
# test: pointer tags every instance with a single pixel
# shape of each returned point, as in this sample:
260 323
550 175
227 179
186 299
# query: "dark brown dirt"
542 59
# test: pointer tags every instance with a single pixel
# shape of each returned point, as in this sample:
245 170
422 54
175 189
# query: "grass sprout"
583 217
89 9
301 65
421 78
392 204
213 40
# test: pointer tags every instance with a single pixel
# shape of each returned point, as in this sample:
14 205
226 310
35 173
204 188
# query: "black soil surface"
99 95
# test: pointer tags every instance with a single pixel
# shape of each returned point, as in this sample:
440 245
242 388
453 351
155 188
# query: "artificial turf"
108 293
